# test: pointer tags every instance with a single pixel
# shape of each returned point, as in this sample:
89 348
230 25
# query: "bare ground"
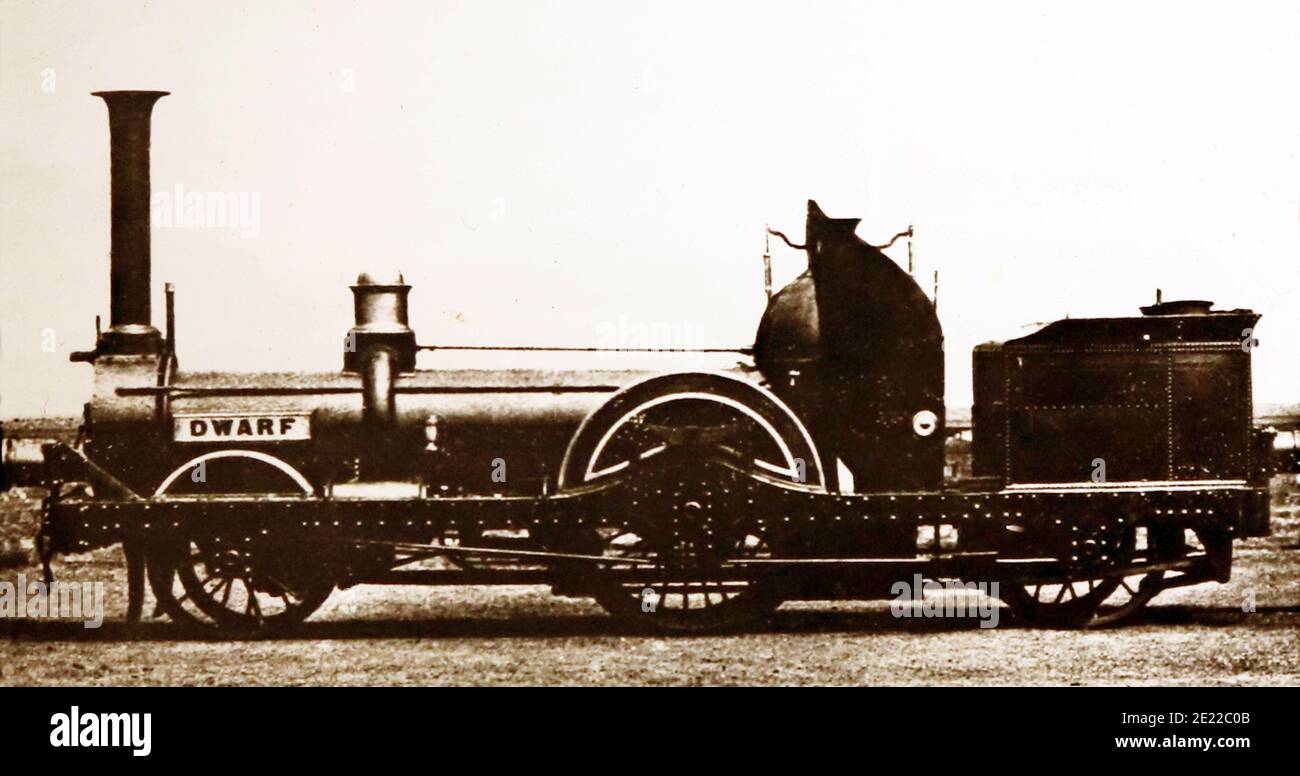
523 635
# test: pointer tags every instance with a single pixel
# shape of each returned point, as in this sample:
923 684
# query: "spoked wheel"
232 589
1083 603
235 590
1094 595
239 585
678 568
674 558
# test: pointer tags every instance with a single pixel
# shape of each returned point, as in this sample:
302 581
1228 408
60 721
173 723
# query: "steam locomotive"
812 468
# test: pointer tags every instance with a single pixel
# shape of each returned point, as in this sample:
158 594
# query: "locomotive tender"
686 500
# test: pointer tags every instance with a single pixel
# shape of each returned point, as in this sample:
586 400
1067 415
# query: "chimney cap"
141 92
381 278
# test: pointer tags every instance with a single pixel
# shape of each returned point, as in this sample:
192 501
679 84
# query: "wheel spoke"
256 607
288 591
1096 596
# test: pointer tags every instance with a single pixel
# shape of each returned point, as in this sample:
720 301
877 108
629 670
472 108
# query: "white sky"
539 169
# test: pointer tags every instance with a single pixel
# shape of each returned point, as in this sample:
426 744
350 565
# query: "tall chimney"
130 327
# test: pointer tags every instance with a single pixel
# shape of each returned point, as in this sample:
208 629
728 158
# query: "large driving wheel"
688 443
237 585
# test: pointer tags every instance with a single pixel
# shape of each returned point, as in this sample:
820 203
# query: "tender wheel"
235 585
1083 603
674 559
1097 593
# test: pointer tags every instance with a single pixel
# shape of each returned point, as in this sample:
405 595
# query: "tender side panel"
1117 400
1087 416
1211 415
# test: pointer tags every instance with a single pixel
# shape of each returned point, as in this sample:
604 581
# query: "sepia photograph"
577 343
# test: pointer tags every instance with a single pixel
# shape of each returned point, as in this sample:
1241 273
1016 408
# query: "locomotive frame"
728 492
